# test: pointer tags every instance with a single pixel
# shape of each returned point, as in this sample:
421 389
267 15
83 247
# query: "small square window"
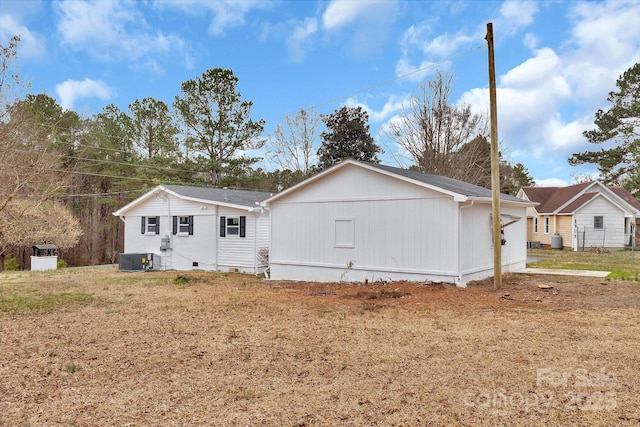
598 222
344 233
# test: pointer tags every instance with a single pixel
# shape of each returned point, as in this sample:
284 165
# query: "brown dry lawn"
213 349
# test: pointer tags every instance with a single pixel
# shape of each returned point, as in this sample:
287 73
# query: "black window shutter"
143 225
190 225
157 225
243 226
175 225
223 226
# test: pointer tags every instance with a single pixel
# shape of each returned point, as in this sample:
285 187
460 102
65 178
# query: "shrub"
10 263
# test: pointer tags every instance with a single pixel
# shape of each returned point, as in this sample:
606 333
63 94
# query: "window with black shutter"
150 225
183 225
233 226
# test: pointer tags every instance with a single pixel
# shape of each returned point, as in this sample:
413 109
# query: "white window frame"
546 225
235 227
183 225
148 225
535 225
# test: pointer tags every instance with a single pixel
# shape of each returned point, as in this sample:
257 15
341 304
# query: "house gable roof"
552 198
240 199
459 190
626 196
567 200
445 183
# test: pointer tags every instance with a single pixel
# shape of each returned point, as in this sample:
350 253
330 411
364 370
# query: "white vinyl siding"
400 231
424 239
233 250
611 235
204 247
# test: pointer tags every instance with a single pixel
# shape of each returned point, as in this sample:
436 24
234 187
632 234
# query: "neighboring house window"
344 233
233 226
535 224
598 222
546 225
150 225
183 225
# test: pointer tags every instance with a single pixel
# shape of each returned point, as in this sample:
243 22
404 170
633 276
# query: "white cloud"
516 14
530 41
605 42
366 21
72 90
394 105
446 44
529 99
31 46
535 71
301 39
421 52
227 14
111 30
342 12
552 182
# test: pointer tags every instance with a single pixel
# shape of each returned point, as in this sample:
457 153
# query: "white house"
357 221
188 228
582 215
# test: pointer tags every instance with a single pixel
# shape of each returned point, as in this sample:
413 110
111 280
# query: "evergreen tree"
347 137
218 123
619 126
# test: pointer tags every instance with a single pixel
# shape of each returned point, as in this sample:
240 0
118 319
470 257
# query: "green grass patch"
16 304
623 264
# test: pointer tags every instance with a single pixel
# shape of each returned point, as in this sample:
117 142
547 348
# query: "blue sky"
556 61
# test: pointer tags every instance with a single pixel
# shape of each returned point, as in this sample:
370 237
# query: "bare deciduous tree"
30 160
441 138
47 222
293 147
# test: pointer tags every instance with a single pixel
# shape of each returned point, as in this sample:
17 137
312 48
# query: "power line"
176 170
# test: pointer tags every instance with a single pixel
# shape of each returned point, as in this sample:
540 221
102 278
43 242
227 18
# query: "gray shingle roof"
445 183
234 197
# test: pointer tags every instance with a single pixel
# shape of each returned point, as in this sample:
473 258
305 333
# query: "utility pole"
495 167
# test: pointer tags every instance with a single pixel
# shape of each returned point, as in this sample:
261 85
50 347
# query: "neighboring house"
362 221
189 228
583 215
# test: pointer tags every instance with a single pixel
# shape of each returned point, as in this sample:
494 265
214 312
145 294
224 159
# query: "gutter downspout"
217 236
257 211
460 238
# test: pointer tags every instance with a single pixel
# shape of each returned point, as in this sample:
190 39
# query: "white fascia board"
523 203
136 202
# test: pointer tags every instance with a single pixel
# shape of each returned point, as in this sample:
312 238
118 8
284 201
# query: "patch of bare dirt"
518 292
